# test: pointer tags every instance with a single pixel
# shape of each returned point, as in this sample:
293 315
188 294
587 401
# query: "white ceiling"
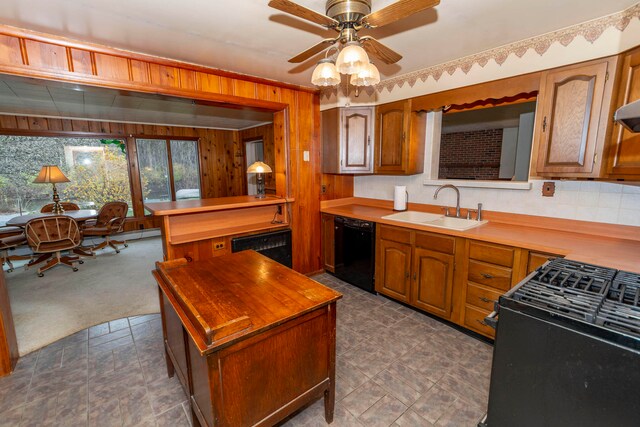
249 37
33 97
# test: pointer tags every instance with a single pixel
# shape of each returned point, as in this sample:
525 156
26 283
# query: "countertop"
225 299
208 205
615 246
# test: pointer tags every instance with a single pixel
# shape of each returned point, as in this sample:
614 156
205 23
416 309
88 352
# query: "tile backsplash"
582 200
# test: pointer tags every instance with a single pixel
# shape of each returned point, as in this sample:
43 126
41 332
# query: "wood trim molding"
70 44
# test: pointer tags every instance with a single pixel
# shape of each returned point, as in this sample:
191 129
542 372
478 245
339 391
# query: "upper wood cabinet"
574 104
347 144
400 137
624 152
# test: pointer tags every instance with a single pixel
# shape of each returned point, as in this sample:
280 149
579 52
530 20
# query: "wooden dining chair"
67 206
49 236
110 221
11 238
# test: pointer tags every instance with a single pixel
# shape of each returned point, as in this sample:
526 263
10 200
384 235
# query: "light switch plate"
305 156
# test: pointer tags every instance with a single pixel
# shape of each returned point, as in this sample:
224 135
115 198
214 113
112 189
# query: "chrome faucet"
435 196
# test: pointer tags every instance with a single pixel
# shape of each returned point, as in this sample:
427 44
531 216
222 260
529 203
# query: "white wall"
582 200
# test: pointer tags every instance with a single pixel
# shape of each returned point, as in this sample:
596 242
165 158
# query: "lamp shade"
325 73
259 167
50 174
369 76
352 58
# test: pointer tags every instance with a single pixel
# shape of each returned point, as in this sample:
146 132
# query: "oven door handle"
492 320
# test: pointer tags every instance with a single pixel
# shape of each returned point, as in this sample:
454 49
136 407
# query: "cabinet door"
356 140
625 145
432 282
569 131
391 137
328 243
392 269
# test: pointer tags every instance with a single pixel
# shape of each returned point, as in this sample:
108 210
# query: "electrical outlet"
548 189
324 189
218 246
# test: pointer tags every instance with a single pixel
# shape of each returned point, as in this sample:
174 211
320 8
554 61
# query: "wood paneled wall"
296 109
221 171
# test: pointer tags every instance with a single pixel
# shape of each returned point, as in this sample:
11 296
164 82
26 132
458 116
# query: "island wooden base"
8 341
258 381
252 343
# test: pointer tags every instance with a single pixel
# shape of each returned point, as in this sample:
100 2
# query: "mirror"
492 143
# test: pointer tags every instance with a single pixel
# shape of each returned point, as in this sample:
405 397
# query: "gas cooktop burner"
593 294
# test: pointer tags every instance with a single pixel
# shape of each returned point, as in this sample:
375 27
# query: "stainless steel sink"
434 220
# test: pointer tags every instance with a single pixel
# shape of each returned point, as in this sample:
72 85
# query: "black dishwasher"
355 252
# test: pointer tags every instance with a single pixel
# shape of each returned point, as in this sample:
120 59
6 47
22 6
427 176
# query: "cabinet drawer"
436 242
474 319
494 254
490 275
481 297
400 235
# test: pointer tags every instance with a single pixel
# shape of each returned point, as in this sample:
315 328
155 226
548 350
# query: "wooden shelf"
229 231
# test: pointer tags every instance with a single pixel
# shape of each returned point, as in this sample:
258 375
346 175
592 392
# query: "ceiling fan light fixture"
325 73
369 76
352 58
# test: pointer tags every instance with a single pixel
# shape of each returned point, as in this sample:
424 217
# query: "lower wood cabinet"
419 268
433 281
393 269
328 243
416 268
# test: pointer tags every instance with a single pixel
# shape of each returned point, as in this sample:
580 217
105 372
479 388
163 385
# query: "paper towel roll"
400 196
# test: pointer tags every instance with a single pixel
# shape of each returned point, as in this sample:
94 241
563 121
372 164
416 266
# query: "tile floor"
395 367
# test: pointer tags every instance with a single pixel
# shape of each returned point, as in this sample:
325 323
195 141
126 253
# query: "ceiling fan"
347 17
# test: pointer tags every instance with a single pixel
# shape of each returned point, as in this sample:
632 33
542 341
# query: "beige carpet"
63 302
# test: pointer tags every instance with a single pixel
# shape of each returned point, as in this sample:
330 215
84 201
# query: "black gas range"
567 349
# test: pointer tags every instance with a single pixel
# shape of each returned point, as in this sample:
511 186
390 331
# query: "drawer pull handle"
485 299
487 276
481 322
406 275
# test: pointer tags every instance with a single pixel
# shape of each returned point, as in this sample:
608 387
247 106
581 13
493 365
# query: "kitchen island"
250 340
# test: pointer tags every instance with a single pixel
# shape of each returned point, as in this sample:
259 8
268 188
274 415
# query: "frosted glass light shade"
325 73
352 58
369 76
259 167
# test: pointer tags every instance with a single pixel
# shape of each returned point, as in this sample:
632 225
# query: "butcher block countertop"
609 245
225 299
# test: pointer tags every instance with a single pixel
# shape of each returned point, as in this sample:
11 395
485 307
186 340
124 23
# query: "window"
169 169
487 144
98 173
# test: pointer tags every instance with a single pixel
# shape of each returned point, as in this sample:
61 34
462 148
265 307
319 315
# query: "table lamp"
260 168
52 174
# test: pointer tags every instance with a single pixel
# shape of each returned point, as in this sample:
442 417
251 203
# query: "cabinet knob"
406 275
415 276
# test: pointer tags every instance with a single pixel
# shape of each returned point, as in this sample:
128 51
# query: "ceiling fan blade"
302 12
374 47
302 56
396 11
